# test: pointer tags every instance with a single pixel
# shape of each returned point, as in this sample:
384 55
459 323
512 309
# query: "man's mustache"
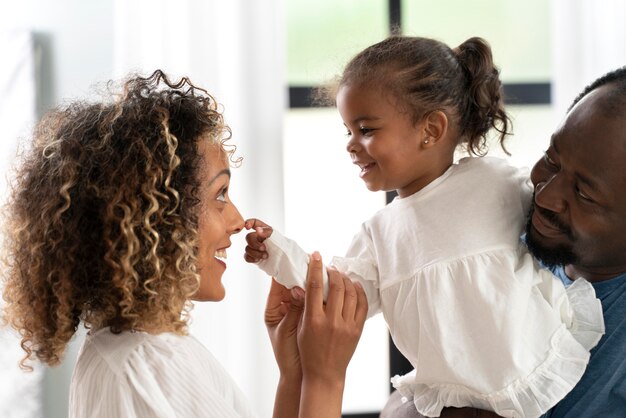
553 219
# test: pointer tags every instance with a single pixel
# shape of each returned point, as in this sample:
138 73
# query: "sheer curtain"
20 393
234 49
588 41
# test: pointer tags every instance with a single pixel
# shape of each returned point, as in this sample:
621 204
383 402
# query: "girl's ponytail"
484 106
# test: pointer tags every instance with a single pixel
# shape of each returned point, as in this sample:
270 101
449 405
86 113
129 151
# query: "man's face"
579 211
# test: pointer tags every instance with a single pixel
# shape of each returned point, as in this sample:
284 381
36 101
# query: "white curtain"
20 392
588 40
235 50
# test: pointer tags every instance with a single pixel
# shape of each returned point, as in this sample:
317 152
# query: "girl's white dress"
465 303
135 374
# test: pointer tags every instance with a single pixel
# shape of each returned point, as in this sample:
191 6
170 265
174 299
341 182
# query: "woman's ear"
435 128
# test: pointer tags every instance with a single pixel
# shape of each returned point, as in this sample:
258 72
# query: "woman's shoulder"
106 352
147 372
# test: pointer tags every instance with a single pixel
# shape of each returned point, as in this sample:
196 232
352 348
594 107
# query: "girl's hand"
255 250
327 339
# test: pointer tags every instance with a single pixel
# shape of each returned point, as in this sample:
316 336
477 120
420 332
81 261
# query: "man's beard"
559 255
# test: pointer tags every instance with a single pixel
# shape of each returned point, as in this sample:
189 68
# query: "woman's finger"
273 313
336 290
314 298
349 300
360 314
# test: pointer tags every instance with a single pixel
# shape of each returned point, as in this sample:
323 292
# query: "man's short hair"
616 99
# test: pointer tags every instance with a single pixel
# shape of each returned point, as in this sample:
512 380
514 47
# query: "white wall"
215 42
76 50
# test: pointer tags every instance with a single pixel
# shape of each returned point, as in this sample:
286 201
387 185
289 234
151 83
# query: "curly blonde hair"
102 217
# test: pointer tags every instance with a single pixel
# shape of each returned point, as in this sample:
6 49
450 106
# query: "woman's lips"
220 256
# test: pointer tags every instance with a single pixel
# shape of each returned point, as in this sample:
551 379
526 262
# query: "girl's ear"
435 128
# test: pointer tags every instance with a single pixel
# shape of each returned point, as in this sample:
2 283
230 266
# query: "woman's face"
217 221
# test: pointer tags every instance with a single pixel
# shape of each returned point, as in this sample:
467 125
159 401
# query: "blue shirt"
602 390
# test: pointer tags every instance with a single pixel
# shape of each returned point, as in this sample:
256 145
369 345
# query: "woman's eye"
222 196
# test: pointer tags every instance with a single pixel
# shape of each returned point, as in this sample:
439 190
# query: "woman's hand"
282 316
327 339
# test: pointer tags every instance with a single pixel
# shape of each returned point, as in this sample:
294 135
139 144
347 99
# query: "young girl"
478 319
119 217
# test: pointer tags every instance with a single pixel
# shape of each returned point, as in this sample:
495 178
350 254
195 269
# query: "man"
577 228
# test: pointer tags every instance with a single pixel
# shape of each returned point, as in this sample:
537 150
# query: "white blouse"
135 374
465 303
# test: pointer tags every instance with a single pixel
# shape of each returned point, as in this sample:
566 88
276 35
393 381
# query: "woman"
119 217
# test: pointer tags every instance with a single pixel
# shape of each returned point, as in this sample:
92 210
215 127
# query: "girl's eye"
348 133
366 131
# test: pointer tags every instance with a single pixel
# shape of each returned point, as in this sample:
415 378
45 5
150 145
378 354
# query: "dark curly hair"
424 75
102 219
615 100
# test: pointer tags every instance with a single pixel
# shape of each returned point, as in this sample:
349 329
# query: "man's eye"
549 160
583 195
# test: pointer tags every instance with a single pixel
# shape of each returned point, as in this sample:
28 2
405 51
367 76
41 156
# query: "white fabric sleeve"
360 265
526 189
287 262
580 310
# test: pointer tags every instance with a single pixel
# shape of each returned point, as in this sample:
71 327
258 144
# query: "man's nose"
550 195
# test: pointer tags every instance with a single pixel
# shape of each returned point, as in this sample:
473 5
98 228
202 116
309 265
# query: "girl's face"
384 142
218 220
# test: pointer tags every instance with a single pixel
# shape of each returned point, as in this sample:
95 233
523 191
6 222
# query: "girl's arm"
277 255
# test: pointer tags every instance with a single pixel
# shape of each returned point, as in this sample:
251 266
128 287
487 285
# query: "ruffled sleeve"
360 265
580 310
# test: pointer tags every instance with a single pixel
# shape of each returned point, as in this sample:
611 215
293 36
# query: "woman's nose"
235 220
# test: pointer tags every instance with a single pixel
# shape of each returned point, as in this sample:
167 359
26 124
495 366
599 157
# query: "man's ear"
435 128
